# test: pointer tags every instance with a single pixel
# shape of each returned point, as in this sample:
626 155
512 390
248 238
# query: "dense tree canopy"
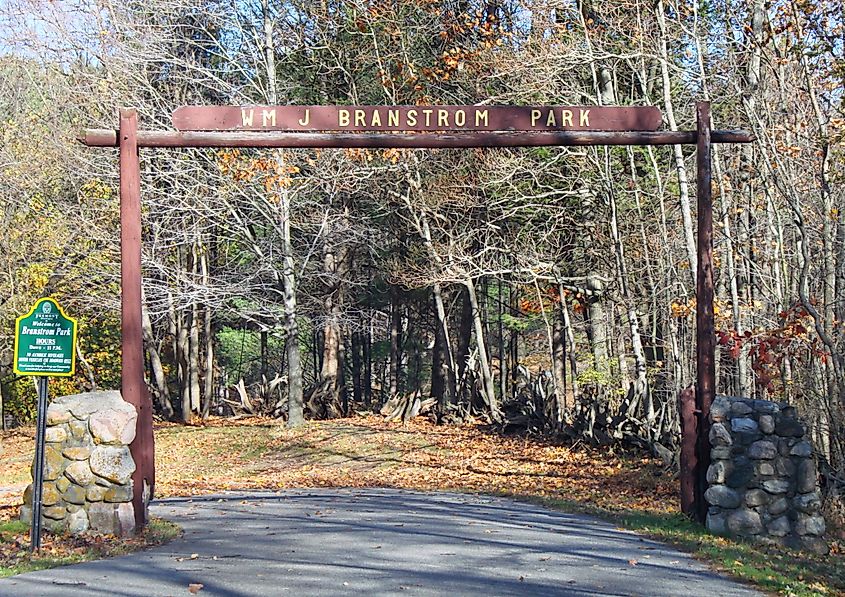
551 288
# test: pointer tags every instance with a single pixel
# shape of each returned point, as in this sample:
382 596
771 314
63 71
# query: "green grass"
771 568
15 557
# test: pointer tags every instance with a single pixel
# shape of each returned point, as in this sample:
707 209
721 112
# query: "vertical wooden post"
689 446
704 293
132 386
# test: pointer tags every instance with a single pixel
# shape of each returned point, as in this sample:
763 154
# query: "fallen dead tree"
406 407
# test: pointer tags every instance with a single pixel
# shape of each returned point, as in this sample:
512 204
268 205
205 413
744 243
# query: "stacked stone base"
762 478
87 465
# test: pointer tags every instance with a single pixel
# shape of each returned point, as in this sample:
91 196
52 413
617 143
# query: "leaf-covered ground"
630 489
368 452
60 550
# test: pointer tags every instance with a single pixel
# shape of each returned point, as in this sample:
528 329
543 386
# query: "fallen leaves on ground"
370 452
56 549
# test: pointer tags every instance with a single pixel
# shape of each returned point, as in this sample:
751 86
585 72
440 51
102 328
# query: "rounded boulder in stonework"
53 463
57 414
719 436
762 450
82 405
55 435
118 493
724 497
805 480
788 427
77 522
765 469
745 522
716 523
115 519
810 525
719 409
80 473
58 525
74 495
785 467
802 449
740 409
113 463
756 497
54 512
778 506
717 471
814 544
779 527
767 424
95 493
50 496
113 426
775 486
765 406
77 453
809 503
720 453
745 425
125 518
78 429
741 475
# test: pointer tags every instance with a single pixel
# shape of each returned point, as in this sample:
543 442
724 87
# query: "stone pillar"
762 481
87 465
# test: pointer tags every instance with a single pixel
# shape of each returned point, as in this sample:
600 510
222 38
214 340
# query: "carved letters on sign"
416 118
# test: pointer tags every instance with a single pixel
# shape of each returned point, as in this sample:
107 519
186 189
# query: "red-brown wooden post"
133 387
704 320
689 446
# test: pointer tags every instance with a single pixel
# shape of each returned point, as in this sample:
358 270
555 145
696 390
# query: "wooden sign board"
416 118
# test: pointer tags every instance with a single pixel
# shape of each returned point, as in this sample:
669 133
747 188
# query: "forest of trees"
547 288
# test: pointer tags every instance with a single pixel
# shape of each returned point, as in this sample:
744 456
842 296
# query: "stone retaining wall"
762 477
87 465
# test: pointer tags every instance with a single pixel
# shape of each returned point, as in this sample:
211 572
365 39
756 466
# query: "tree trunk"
395 342
288 277
194 359
488 390
443 356
156 369
597 321
357 395
503 375
680 165
559 367
570 340
182 358
208 389
464 340
368 369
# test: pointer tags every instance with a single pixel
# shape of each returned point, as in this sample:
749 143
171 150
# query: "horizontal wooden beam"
109 138
372 119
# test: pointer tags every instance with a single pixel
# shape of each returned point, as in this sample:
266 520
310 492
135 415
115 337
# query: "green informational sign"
45 341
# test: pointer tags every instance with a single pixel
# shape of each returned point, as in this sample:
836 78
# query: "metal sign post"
38 474
45 342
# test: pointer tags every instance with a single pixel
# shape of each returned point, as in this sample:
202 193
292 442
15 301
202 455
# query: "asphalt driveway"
382 542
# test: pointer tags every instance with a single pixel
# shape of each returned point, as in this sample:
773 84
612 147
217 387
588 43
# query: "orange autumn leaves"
366 452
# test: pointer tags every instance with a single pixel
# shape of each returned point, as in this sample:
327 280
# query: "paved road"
382 542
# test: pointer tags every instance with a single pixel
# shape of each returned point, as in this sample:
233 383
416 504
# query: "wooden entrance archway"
420 127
